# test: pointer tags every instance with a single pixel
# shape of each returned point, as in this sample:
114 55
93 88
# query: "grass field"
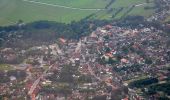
5 67
64 10
78 3
167 19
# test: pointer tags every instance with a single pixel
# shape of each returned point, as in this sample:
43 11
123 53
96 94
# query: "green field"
5 67
53 10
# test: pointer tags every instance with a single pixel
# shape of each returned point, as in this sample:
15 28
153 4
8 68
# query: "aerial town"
100 66
114 61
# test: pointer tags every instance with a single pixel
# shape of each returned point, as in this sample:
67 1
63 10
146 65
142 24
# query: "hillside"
69 10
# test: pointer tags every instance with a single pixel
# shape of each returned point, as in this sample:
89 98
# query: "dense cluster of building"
162 13
97 66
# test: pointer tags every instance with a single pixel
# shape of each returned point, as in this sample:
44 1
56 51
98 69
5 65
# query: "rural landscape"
68 10
84 49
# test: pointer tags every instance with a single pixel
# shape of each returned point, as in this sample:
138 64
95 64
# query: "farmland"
68 10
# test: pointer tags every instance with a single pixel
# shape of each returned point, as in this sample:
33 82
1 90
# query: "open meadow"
69 10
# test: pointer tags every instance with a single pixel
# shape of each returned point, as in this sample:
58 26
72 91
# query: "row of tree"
46 31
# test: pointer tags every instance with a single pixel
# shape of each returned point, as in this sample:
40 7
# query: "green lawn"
14 10
126 4
167 19
78 3
141 11
138 78
4 67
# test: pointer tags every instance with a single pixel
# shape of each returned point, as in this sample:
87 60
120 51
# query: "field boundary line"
61 6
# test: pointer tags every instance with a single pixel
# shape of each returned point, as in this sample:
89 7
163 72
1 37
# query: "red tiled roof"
62 40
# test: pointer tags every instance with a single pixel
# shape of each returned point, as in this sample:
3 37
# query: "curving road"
36 82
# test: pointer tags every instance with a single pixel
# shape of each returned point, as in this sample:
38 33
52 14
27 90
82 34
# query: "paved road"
78 47
92 73
34 86
58 49
142 4
36 82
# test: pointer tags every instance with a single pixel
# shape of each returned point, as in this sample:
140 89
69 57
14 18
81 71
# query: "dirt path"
61 6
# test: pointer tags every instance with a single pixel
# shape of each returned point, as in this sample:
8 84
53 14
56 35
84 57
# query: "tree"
148 61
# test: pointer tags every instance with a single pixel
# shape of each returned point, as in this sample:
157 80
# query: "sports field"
66 10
